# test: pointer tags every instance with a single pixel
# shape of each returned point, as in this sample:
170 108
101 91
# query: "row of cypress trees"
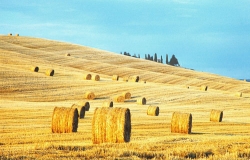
173 61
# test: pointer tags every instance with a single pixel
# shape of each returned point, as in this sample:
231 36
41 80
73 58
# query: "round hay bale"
204 88
64 120
96 78
81 110
84 104
153 111
181 123
87 76
107 104
134 79
216 115
111 125
17 35
34 69
238 94
126 95
10 34
89 95
119 98
67 54
115 77
126 78
50 72
141 101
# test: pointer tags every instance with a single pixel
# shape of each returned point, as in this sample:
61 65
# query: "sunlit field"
28 99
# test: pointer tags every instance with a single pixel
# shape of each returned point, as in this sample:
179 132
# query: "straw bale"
126 78
89 95
50 72
134 79
153 111
96 78
107 104
64 120
111 125
204 88
216 115
10 34
181 123
81 110
238 94
84 104
126 95
141 101
67 54
115 77
17 34
87 76
119 98
34 69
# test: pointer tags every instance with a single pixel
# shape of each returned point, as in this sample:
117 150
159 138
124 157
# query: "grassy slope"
28 98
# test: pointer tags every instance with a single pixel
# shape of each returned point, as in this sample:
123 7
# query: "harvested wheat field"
28 100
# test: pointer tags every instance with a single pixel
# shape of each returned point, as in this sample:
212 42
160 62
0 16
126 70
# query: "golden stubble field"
27 100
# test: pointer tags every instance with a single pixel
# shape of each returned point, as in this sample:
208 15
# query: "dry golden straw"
17 35
181 123
87 76
141 101
216 115
238 94
126 78
81 110
34 69
10 34
84 104
134 79
115 77
204 88
50 72
107 104
89 95
126 95
153 111
96 78
119 98
111 125
64 120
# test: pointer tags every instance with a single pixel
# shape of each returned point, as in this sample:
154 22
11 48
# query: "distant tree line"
173 61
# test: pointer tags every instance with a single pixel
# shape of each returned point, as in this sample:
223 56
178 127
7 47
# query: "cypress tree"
166 58
155 57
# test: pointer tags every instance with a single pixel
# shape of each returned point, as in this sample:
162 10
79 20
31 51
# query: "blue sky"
205 35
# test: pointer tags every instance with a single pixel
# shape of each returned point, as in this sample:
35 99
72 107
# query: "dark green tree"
155 57
149 57
166 58
174 61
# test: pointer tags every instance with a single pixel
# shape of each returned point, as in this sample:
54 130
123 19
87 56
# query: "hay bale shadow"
101 98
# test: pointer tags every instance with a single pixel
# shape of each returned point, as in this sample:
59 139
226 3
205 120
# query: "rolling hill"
28 98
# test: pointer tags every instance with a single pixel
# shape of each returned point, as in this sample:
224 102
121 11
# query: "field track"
27 100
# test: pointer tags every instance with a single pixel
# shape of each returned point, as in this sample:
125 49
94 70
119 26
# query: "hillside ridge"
28 51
